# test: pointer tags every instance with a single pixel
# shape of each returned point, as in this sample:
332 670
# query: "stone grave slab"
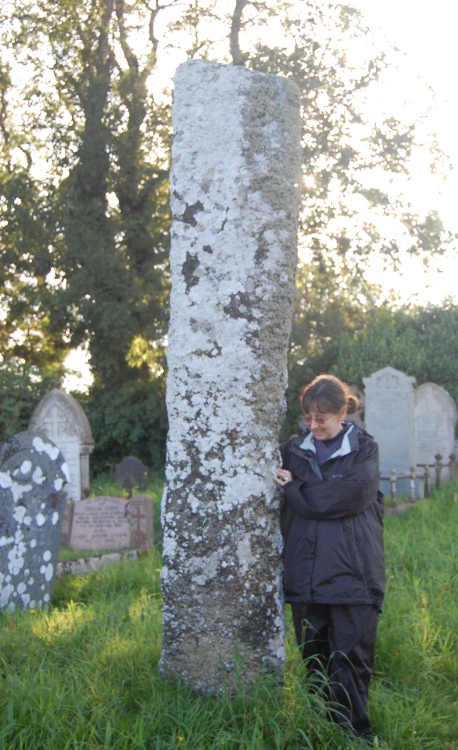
390 417
100 523
33 474
435 420
109 523
140 512
64 421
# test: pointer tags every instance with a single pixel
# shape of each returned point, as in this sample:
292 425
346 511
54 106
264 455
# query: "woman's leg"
311 622
352 633
338 641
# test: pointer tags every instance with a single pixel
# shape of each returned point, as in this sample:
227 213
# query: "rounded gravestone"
32 498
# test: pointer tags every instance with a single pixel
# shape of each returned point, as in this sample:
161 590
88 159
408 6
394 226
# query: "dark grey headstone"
131 472
33 473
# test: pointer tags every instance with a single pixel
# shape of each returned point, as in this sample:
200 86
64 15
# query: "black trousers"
338 643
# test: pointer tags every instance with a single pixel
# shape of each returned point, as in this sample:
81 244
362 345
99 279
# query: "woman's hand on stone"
282 476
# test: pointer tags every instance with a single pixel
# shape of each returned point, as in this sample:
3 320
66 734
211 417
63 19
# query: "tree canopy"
85 144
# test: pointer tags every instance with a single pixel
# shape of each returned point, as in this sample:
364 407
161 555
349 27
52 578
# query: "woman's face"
324 426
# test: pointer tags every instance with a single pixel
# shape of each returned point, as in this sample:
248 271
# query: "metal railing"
422 473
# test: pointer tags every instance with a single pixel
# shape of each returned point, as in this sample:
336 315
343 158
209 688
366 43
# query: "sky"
425 34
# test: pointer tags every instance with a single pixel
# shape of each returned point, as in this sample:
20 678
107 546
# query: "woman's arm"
339 496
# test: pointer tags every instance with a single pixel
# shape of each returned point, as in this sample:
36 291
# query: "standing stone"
236 171
435 419
390 417
63 419
32 477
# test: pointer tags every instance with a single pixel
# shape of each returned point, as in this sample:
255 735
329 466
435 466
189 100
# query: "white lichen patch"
26 467
6 479
19 514
44 447
16 558
19 490
38 476
245 556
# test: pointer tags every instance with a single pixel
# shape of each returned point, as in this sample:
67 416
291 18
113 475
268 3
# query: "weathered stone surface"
64 421
32 478
390 417
435 420
109 523
236 171
140 513
100 523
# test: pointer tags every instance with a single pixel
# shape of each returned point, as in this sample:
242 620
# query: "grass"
84 674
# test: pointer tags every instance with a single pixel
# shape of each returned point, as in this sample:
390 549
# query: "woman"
332 521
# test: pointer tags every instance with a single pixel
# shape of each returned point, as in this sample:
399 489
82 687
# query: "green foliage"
421 342
129 421
436 332
388 338
84 673
21 387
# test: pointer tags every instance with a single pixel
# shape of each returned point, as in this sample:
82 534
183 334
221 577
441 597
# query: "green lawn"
84 674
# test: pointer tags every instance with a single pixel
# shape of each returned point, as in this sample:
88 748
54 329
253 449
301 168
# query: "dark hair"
328 394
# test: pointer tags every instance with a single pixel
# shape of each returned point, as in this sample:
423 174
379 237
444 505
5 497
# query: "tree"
110 217
31 358
94 224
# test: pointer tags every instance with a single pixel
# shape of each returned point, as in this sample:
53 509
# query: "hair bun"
352 404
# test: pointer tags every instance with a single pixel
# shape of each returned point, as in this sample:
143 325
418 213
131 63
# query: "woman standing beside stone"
332 521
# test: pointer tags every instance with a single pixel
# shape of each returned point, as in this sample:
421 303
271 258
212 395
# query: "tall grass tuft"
84 673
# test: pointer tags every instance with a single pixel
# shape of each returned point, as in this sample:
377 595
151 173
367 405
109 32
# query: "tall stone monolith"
235 188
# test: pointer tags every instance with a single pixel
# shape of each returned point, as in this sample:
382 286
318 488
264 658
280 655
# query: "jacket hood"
349 443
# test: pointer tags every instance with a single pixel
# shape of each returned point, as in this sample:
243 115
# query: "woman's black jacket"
332 523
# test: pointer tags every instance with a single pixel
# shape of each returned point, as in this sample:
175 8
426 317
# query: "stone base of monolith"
236 172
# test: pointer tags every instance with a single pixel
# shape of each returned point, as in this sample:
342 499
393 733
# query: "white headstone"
435 420
390 417
62 418
235 187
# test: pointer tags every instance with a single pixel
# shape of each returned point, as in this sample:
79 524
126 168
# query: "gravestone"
109 523
435 420
140 513
390 417
32 478
235 190
131 472
100 523
62 418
